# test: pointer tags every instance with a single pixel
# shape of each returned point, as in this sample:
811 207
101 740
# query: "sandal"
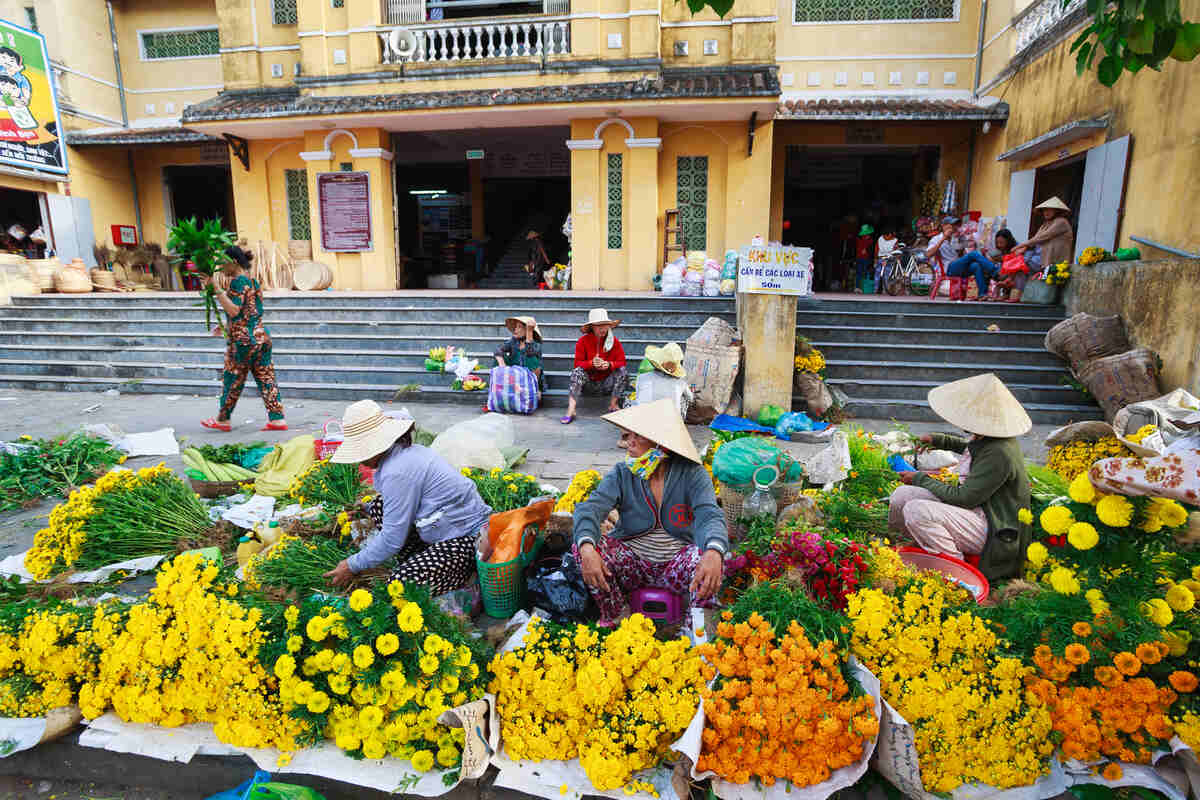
274 425
216 424
567 420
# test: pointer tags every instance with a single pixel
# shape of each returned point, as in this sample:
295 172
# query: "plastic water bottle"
761 501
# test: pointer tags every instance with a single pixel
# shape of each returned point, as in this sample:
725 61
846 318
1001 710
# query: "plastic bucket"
957 571
503 585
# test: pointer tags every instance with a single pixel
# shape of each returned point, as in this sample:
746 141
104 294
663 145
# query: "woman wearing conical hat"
983 513
1055 236
671 533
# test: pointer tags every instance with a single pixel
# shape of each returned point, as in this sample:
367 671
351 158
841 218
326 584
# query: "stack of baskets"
312 276
104 279
43 270
73 278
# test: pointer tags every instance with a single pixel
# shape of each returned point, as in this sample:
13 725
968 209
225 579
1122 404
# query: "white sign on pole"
775 269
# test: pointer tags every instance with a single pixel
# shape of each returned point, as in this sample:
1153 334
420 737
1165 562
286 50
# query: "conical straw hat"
981 404
660 423
1056 203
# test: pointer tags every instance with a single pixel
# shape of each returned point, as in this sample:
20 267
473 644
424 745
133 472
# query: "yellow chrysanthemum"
1081 489
1037 554
1025 516
1056 520
360 600
1114 511
1180 598
1083 536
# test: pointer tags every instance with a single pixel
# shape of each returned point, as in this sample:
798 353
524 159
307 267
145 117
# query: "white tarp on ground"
15 565
20 734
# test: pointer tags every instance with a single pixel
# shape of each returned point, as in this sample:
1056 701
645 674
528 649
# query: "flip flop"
568 419
216 424
274 426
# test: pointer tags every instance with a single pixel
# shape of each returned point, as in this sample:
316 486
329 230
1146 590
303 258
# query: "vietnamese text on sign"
345 210
775 269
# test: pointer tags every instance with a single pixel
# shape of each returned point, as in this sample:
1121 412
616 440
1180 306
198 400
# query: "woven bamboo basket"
103 279
312 276
732 498
72 280
300 249
43 270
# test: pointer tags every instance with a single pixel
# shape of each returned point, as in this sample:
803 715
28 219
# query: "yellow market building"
386 131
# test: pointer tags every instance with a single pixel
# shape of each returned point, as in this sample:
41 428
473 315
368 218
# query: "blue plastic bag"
792 422
242 790
898 464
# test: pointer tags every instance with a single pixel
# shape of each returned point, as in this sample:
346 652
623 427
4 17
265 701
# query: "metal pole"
1167 248
112 32
979 47
137 203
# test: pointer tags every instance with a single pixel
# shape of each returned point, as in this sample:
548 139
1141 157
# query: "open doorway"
830 193
22 227
1063 180
203 192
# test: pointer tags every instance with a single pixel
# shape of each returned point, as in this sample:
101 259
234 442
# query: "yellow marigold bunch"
615 702
1142 433
43 657
946 475
814 362
1161 513
1092 255
580 488
188 654
781 708
941 670
1123 717
1069 460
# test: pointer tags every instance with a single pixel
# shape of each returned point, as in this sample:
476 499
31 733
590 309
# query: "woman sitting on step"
671 534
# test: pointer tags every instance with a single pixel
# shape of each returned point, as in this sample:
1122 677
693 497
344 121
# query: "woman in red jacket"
599 364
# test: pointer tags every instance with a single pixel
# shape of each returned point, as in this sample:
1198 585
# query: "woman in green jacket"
983 513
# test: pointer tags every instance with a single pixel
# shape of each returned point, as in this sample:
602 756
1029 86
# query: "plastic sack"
512 390
729 267
242 790
555 586
793 422
737 461
693 284
477 442
728 287
672 277
645 367
898 464
712 280
283 791
695 260
507 529
937 459
769 415
1013 263
655 385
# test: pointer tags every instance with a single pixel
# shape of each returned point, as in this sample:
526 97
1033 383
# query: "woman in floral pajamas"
671 533
249 347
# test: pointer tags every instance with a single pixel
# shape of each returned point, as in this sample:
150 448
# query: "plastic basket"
733 496
326 446
503 585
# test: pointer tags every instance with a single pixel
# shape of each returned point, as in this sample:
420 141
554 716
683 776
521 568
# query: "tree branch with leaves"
1133 34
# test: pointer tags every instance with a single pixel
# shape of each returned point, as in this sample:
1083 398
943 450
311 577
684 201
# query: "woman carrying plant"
248 350
432 513
671 533
988 512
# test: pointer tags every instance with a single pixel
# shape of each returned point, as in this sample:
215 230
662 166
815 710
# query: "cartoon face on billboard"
29 116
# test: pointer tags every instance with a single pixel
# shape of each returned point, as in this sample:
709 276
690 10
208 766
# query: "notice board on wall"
344 200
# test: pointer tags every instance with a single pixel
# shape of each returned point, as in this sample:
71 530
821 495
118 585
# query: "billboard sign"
30 125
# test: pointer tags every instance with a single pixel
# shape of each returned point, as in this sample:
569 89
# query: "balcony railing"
1040 18
407 12
474 40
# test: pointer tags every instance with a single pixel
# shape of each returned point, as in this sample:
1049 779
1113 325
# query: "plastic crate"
503 585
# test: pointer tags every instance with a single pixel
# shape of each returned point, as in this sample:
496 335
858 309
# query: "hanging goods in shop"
950 197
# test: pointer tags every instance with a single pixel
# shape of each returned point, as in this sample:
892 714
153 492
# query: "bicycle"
906 272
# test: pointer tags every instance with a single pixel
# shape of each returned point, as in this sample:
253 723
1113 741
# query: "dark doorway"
1063 180
201 192
20 208
433 213
516 206
829 193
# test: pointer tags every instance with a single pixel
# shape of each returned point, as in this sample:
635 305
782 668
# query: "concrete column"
587 207
478 226
769 333
641 238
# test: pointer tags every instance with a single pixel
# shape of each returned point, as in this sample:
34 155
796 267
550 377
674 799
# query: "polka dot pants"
441 567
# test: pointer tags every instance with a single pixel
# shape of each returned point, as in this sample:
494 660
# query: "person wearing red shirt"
599 364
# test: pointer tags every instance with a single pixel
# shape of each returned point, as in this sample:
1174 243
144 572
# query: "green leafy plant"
52 467
1133 34
204 245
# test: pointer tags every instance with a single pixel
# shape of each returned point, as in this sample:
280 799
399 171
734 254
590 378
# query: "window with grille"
691 198
615 198
283 12
874 10
297 200
180 44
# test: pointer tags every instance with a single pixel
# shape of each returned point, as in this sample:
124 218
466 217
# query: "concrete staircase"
884 355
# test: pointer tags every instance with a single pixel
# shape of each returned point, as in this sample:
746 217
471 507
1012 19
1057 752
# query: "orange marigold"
1183 681
1128 663
1077 654
1148 653
1112 772
1107 676
1081 629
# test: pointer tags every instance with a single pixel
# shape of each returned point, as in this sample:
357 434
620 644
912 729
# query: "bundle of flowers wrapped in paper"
334 486
125 515
580 489
943 669
374 672
502 489
781 707
1093 255
615 700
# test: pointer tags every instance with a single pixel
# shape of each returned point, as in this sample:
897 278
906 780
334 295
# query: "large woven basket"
300 249
312 276
211 489
72 280
43 270
732 498
103 279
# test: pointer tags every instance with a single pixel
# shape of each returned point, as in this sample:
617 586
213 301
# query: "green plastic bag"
434 366
769 415
1128 254
645 367
283 791
737 461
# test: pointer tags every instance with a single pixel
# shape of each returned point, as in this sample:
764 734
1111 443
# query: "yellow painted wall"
879 73
149 163
248 25
1156 108
102 176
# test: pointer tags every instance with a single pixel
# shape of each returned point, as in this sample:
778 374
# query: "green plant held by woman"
204 246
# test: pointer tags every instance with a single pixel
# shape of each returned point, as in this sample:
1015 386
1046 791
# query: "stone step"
961 337
883 319
415 301
863 390
913 371
915 352
918 411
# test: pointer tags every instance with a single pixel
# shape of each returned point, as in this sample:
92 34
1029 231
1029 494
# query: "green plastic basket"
503 585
